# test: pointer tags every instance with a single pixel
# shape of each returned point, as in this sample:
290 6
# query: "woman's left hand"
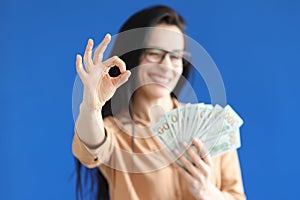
198 173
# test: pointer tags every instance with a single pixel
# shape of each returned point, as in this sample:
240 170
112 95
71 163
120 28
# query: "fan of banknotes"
215 126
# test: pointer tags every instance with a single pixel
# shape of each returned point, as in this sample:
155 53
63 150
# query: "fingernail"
196 140
184 144
176 152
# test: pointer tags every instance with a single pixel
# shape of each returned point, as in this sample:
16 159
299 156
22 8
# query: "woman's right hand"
99 87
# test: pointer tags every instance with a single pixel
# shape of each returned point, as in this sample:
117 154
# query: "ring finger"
196 158
87 58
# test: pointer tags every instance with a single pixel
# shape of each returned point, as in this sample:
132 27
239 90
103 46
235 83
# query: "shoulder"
230 159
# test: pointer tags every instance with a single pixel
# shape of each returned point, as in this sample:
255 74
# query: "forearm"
89 126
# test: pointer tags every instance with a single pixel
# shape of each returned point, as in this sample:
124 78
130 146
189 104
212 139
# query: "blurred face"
161 63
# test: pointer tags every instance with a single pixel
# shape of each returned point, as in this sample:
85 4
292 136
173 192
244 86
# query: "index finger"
98 55
115 61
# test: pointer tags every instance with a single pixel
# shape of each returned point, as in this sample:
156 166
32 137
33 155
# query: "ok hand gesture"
99 87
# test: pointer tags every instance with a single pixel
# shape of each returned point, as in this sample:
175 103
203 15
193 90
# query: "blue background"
255 45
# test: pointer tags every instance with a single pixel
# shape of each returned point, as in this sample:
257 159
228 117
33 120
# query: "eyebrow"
153 47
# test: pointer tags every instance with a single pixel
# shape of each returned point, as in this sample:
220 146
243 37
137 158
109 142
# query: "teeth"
160 79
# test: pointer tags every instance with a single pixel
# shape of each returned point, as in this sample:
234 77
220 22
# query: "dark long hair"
149 17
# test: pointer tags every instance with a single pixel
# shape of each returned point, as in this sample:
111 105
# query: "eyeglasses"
157 55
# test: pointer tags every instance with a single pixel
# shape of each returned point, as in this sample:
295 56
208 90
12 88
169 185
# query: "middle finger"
98 55
188 165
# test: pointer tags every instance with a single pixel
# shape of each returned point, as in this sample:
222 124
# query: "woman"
105 130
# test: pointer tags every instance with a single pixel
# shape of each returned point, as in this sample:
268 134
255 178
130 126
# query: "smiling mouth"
160 80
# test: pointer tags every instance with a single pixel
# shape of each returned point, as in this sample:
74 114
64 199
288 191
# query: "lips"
161 80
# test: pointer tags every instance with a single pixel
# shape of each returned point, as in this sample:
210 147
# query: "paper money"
215 126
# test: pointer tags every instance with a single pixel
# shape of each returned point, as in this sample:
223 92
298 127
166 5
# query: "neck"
151 109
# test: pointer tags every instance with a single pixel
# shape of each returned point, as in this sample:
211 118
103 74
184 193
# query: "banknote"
216 127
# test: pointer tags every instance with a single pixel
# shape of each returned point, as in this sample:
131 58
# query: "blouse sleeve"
231 178
93 157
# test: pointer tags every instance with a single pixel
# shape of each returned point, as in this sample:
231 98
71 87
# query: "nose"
166 60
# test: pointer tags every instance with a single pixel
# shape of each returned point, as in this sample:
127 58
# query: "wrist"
215 193
92 106
209 191
91 102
